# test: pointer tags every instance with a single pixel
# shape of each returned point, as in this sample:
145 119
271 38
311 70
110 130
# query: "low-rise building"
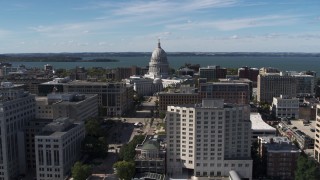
57 148
279 156
150 156
285 107
260 128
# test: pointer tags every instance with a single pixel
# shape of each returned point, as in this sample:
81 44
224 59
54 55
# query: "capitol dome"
158 66
159 55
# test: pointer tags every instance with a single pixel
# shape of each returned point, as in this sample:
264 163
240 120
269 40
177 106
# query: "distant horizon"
75 26
172 52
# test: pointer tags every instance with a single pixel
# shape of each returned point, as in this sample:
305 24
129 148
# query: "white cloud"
240 23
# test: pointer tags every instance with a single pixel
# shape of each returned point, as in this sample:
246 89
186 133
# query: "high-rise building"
249 73
208 140
273 85
57 148
17 108
317 137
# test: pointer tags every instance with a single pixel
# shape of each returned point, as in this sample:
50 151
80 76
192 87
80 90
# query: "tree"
125 170
127 151
95 146
93 127
306 169
162 115
81 171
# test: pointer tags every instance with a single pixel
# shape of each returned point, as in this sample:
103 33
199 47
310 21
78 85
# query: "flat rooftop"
257 123
305 128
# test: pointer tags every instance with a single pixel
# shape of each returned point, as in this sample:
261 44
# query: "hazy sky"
182 25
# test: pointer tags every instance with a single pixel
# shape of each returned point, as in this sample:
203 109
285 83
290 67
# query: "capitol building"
157 77
158 66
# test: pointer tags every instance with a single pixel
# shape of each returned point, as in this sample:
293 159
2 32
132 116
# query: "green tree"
103 111
124 170
127 151
93 127
162 115
81 171
95 146
306 169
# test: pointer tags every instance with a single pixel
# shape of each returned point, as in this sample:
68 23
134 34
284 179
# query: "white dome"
159 55
158 66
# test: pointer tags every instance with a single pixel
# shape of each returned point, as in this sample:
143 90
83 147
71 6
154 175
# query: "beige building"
17 108
317 138
273 85
57 148
116 98
76 106
208 140
285 107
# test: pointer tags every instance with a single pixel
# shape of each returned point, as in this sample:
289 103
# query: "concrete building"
17 108
317 136
275 84
207 140
260 128
237 93
285 107
145 86
212 73
305 83
268 70
150 156
33 128
279 157
57 148
184 95
79 107
249 73
116 98
240 80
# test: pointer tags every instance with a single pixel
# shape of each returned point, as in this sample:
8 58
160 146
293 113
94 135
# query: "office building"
57 148
279 156
208 140
212 73
275 84
79 107
237 93
116 98
285 107
184 95
248 73
317 136
17 108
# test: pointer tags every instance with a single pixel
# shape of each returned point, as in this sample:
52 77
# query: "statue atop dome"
158 65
